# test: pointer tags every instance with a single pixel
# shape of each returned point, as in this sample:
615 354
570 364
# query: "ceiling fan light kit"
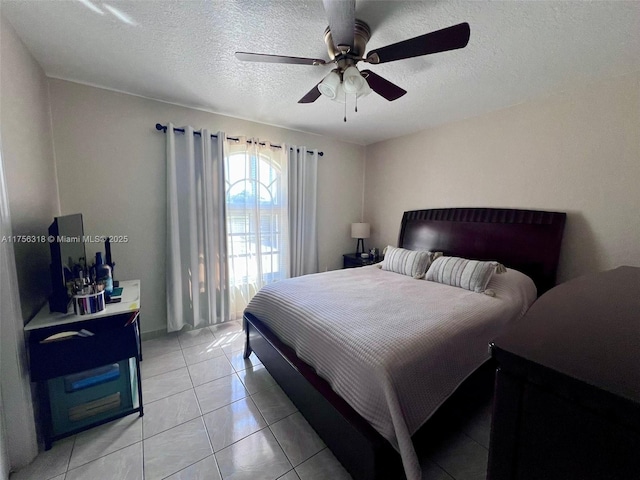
346 38
329 86
352 81
364 90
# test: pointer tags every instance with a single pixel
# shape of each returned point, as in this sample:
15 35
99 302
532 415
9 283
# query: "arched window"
257 233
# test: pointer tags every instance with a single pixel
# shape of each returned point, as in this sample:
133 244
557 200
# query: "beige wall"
111 168
576 151
30 179
27 153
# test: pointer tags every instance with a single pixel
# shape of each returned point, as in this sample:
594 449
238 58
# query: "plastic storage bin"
88 397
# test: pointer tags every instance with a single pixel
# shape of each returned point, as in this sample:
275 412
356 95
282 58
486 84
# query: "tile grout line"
143 449
143 454
227 404
175 393
315 454
247 436
168 396
75 439
104 455
235 441
240 439
172 395
281 448
287 473
286 416
178 424
191 464
314 431
204 424
162 373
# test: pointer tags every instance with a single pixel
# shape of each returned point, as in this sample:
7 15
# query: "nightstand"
350 260
83 382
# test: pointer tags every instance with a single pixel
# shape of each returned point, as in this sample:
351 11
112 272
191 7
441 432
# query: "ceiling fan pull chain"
345 106
356 103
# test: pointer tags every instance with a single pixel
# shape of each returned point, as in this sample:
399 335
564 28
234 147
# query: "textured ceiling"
182 52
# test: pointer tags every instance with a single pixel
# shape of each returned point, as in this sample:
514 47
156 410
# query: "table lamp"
360 231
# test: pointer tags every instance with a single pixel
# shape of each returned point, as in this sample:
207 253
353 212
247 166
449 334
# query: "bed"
379 404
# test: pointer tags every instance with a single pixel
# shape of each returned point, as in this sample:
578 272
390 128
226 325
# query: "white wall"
577 152
111 168
4 457
31 193
27 151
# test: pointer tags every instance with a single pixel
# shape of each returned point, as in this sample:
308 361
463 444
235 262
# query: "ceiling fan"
346 38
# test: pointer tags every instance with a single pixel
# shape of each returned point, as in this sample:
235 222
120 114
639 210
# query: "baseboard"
153 334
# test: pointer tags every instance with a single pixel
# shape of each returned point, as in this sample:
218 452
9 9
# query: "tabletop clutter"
93 288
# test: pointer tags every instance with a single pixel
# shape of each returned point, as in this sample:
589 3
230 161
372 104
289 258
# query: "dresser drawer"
112 341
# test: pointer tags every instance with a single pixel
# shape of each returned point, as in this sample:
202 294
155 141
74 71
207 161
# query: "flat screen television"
66 242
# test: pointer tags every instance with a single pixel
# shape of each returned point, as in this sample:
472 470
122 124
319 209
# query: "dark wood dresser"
567 392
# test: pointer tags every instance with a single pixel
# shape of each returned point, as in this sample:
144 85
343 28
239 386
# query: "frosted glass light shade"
364 90
352 81
340 96
329 86
360 230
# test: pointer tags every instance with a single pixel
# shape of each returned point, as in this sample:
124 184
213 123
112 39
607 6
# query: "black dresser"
567 392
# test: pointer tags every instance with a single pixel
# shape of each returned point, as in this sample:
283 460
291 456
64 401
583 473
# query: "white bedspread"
393 347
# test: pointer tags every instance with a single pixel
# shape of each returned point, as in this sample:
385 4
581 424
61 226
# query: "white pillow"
460 272
413 263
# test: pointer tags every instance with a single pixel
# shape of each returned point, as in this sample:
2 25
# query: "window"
257 233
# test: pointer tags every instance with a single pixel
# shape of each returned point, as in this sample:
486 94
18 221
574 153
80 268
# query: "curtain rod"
181 130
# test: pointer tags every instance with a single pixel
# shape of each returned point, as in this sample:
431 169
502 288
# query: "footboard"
362 451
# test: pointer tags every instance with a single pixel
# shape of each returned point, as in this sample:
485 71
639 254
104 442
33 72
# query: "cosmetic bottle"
103 274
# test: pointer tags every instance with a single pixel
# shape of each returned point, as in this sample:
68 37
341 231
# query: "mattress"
391 346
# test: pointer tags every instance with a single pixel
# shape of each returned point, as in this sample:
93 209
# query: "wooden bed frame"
525 240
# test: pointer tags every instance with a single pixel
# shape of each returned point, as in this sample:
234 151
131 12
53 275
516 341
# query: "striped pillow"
407 262
459 272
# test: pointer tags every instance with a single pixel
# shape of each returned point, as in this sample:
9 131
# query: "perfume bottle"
108 260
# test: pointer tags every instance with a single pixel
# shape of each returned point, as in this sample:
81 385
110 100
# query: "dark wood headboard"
525 240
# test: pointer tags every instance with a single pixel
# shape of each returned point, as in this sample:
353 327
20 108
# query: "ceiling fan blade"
263 57
342 20
382 86
450 38
311 96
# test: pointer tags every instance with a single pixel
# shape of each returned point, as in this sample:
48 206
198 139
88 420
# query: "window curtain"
303 237
16 413
257 220
197 274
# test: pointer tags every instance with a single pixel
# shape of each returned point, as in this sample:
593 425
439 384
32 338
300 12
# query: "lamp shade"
364 90
340 94
329 86
352 81
360 230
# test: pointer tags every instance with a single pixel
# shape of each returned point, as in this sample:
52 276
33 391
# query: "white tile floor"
210 414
